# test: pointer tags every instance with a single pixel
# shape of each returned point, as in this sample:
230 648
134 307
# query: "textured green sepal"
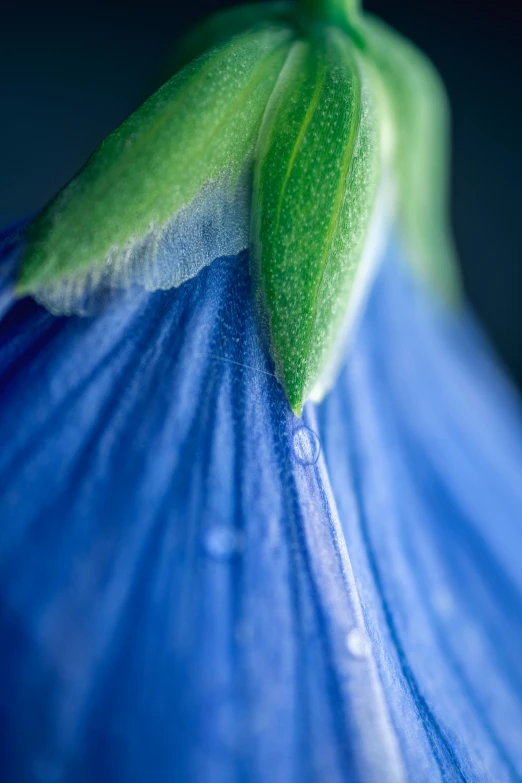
315 187
200 126
415 98
220 27
340 120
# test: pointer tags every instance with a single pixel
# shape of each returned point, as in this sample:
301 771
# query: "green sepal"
330 107
220 27
200 126
415 99
315 188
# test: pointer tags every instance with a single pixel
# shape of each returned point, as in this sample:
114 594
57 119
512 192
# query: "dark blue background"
70 72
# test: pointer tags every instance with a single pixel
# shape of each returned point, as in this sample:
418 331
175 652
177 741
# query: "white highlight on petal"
378 756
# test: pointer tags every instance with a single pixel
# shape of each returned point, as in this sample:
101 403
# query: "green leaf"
315 188
166 173
420 122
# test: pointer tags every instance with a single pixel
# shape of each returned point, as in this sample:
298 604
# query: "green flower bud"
302 131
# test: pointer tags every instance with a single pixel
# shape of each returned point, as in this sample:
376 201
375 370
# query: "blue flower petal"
195 585
435 440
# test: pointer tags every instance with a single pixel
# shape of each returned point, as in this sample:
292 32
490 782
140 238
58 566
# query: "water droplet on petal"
223 542
306 445
358 643
443 602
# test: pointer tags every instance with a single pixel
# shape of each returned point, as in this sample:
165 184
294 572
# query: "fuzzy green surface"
204 121
223 25
315 186
313 96
420 120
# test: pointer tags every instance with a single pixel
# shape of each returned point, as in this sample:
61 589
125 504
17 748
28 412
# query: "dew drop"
357 643
223 542
443 602
306 446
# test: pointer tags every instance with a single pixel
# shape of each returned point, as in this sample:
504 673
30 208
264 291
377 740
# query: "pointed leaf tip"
315 187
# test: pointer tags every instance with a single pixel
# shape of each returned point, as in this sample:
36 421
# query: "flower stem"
343 13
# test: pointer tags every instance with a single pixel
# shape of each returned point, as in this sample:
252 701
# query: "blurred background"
71 72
